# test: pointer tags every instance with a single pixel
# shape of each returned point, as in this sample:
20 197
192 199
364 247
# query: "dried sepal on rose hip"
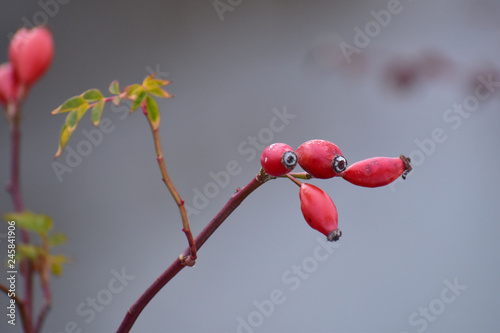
321 158
278 159
377 171
319 211
31 52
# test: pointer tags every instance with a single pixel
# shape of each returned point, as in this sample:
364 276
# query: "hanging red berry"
377 171
30 53
8 84
319 211
278 159
321 158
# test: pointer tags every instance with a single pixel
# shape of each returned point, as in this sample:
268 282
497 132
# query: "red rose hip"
319 211
30 53
8 84
377 171
321 158
278 159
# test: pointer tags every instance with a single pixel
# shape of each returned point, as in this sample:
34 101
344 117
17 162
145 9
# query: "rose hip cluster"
30 55
323 159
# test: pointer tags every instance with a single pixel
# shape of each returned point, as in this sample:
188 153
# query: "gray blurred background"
418 256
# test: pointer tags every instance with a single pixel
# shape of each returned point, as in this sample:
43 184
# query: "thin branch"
14 189
20 306
43 313
236 199
299 175
295 180
110 99
44 281
47 298
5 289
190 259
14 185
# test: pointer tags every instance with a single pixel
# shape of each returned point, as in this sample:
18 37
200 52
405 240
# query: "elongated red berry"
31 52
8 84
321 158
278 159
377 171
319 211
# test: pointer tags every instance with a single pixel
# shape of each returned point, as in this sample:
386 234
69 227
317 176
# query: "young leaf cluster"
43 261
141 95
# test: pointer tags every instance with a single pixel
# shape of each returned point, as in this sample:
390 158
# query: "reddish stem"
136 309
20 306
44 279
293 179
14 189
14 186
191 258
42 315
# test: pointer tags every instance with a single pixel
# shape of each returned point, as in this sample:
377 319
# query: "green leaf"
30 221
139 94
150 82
131 90
114 88
71 120
64 137
56 111
153 86
56 262
96 112
70 104
56 239
74 116
159 93
28 251
153 112
80 111
92 95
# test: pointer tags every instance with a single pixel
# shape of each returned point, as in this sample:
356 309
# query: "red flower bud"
321 158
377 171
278 159
8 84
30 53
319 211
